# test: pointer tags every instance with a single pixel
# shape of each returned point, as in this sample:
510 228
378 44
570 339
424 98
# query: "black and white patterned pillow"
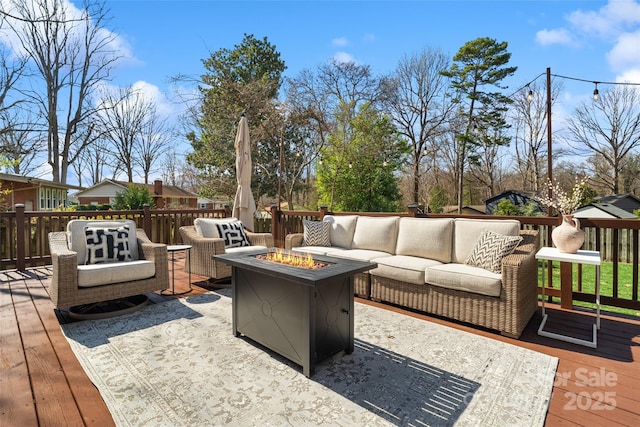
233 234
107 244
489 250
316 233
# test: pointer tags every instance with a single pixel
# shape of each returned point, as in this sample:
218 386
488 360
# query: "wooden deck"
42 383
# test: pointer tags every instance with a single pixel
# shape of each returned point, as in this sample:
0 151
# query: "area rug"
178 364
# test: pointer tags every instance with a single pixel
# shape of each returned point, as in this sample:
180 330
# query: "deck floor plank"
16 397
37 360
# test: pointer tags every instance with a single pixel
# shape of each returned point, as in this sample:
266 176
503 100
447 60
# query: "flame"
289 258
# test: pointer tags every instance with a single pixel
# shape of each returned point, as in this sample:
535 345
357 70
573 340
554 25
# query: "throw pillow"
489 250
110 244
316 233
233 234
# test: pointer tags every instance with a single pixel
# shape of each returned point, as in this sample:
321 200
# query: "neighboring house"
34 193
217 203
627 202
466 210
165 196
516 197
602 210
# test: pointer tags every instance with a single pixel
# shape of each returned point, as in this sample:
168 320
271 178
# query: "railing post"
413 209
227 211
275 223
20 243
324 210
146 220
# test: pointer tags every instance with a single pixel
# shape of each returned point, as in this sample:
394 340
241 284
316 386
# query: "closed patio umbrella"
244 206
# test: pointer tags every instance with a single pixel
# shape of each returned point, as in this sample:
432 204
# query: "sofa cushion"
107 274
78 240
342 229
403 268
107 244
489 250
467 231
466 278
316 233
426 238
376 234
233 234
318 250
207 227
359 254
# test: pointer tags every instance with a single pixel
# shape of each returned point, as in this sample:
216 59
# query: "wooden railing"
24 239
24 235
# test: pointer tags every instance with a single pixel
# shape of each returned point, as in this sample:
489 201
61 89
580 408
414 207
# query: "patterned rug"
178 364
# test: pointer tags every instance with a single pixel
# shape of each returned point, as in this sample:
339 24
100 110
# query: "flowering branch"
564 203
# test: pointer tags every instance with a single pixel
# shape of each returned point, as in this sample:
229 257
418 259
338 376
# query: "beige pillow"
342 229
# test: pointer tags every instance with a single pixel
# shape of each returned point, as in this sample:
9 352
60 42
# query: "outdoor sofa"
441 266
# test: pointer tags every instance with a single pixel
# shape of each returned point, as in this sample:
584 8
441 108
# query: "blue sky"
584 39
591 40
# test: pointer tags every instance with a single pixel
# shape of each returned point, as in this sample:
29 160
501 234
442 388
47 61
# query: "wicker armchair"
76 283
204 248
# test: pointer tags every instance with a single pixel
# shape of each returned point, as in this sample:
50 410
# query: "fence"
23 238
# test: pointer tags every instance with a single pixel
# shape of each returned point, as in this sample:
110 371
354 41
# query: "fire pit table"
303 314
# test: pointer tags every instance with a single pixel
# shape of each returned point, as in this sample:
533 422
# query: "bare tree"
415 95
609 130
529 118
124 113
72 53
19 144
153 141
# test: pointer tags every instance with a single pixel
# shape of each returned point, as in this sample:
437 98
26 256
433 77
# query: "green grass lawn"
588 283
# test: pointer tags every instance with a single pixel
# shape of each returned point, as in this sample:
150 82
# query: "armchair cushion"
110 273
107 244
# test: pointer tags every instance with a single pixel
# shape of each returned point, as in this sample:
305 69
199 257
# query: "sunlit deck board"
41 378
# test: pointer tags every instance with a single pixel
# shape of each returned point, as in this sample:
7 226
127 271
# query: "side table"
172 249
581 257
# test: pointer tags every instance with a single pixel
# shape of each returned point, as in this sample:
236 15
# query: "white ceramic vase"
568 237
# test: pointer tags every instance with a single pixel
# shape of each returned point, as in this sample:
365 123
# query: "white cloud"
609 20
153 93
114 41
340 41
557 36
344 57
369 38
629 76
626 52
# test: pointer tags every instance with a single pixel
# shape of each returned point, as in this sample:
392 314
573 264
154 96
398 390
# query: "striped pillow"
316 233
489 250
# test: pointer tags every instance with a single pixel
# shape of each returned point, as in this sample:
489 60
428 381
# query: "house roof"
602 210
522 193
167 190
613 198
36 181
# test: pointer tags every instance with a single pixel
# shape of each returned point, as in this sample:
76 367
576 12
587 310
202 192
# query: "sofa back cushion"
207 227
376 233
77 237
430 238
468 231
342 229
